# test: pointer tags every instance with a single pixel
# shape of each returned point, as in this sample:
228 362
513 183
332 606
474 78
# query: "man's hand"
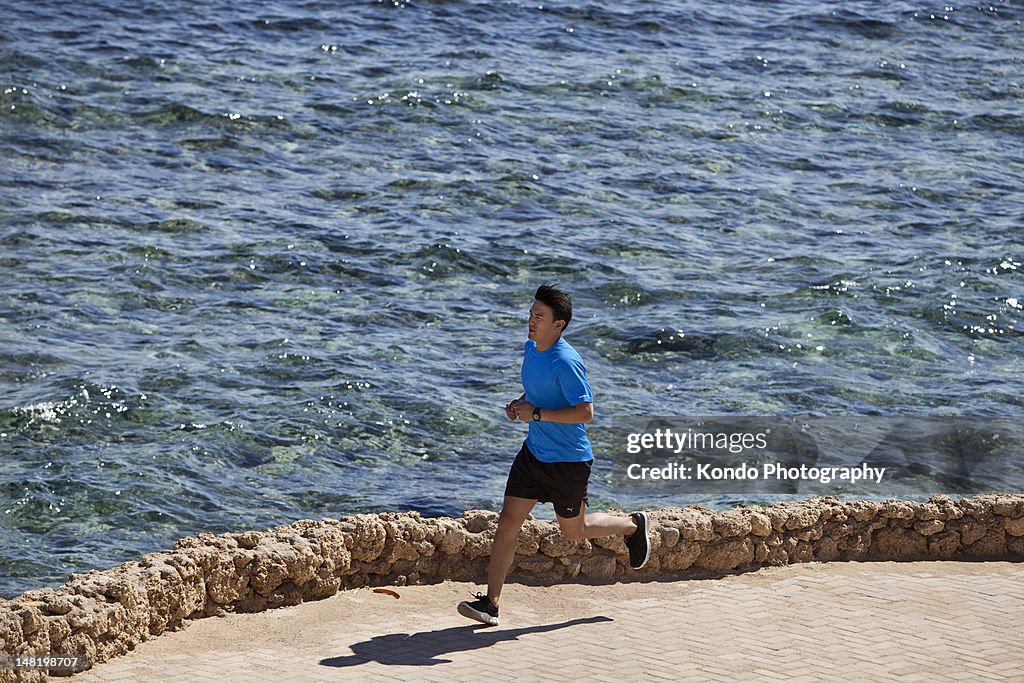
515 407
524 410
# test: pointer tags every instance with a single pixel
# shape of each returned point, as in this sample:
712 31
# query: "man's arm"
580 413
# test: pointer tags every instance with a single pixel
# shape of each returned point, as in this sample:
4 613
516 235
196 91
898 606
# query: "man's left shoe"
639 544
481 609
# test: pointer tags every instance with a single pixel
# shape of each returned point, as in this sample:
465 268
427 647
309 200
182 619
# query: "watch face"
536 414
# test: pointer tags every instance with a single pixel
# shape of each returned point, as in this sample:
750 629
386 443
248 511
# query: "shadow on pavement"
423 648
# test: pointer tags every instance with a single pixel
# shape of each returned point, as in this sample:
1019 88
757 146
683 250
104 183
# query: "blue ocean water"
267 261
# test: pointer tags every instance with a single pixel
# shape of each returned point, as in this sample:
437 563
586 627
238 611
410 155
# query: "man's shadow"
423 648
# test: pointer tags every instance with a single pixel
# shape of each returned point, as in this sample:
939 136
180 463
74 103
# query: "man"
554 463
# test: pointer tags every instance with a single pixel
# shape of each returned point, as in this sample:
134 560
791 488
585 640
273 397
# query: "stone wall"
104 614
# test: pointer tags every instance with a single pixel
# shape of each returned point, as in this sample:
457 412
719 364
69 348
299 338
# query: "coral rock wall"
104 614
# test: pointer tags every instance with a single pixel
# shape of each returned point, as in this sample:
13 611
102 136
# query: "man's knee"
573 529
509 525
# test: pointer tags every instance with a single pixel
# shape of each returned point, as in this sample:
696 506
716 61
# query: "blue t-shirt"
553 379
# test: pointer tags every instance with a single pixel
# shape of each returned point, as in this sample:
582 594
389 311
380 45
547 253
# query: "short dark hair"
559 301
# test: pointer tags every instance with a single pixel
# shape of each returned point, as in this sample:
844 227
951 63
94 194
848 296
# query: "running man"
554 463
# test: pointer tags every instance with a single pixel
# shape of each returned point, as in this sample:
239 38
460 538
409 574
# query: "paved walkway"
924 621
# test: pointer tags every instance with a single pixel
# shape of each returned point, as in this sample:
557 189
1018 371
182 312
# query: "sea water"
267 261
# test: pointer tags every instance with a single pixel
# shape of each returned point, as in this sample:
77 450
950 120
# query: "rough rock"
932 526
760 524
730 524
680 556
693 523
895 543
1014 526
598 567
670 536
726 555
557 545
944 545
100 615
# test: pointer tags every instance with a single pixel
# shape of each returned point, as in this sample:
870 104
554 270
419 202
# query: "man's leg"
503 550
595 525
514 512
635 529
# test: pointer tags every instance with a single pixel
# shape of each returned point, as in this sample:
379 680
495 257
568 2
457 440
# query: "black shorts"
564 484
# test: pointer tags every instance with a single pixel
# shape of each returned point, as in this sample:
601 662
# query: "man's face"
542 325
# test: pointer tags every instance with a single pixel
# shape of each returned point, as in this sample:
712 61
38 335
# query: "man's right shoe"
481 609
639 544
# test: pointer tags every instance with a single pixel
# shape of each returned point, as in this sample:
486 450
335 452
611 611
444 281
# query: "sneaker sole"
470 613
647 534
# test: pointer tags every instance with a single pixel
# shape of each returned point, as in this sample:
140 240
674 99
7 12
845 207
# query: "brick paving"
863 621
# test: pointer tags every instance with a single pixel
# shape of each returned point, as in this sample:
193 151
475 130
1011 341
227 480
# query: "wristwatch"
536 414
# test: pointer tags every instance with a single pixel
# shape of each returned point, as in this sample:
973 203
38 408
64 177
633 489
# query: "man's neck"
542 349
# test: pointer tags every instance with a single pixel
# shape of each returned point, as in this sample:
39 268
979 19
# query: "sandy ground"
861 621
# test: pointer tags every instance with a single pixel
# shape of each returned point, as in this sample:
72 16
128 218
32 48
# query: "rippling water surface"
269 261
